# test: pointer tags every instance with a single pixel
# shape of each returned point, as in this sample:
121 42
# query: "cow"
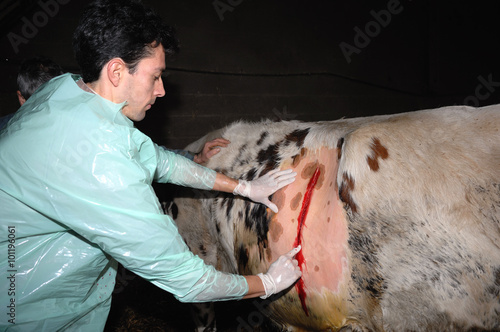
398 217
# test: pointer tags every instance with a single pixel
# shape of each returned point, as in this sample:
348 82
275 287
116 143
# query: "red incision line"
298 240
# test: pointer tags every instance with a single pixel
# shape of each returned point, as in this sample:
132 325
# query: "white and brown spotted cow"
398 217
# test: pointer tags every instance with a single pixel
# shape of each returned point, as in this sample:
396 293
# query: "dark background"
254 59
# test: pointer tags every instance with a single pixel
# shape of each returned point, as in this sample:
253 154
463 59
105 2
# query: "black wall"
300 60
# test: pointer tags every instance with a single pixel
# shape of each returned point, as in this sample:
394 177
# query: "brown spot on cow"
295 202
345 189
316 268
321 179
275 230
378 151
309 170
279 198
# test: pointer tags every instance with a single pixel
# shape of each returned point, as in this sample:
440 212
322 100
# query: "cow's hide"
398 217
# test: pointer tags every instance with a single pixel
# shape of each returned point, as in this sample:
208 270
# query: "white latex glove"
260 189
281 274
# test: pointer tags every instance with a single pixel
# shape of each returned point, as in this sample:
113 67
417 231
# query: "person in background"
76 190
33 72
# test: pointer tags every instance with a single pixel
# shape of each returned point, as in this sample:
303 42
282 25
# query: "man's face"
143 86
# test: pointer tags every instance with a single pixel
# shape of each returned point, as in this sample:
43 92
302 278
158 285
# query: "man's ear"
20 98
115 70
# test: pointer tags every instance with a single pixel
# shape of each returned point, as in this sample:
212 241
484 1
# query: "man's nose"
160 89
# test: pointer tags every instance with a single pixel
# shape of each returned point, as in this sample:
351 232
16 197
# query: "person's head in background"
34 72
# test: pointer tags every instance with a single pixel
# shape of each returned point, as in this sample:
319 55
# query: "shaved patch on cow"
295 202
324 230
377 151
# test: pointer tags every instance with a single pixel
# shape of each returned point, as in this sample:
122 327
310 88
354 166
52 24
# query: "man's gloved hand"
260 189
281 274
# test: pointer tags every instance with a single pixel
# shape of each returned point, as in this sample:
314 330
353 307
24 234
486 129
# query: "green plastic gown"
76 199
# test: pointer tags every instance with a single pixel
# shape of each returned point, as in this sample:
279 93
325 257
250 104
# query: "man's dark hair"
34 72
123 29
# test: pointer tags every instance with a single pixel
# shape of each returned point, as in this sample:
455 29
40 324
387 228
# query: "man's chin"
137 117
140 117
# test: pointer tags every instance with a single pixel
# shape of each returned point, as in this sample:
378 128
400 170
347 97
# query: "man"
76 191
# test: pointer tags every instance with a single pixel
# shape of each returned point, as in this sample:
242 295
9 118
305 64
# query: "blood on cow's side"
298 240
